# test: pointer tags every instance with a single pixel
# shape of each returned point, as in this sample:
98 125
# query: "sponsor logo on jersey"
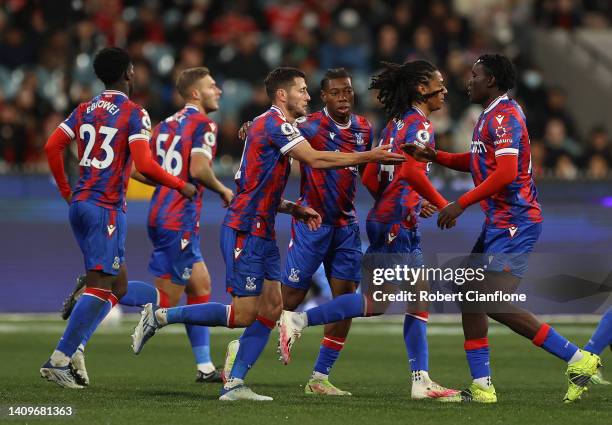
499 119
512 231
250 284
184 243
294 276
186 273
478 147
332 135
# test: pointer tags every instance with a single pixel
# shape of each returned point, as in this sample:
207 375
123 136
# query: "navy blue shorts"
174 254
506 249
100 233
338 248
249 259
388 238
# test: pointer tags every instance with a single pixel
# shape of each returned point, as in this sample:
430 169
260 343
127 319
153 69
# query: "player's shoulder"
130 105
506 109
361 121
414 120
315 116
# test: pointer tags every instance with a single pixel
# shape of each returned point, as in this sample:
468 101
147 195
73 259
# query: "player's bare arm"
141 178
200 169
306 215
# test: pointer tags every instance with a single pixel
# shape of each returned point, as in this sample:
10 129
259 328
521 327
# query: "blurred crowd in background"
46 50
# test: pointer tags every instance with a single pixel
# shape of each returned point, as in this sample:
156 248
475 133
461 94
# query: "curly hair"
501 68
397 85
110 64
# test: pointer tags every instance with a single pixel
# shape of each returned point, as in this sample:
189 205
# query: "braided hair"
397 85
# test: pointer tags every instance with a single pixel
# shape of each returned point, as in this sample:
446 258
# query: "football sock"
141 293
199 337
252 343
477 353
343 307
86 311
415 338
112 302
556 344
209 314
602 337
328 353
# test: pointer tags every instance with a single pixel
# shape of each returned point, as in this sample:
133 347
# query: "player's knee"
119 292
243 317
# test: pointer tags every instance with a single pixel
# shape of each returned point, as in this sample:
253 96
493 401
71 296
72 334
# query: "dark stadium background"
562 49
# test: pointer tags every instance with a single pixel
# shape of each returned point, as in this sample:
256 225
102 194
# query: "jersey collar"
192 106
416 108
340 126
115 93
278 111
495 102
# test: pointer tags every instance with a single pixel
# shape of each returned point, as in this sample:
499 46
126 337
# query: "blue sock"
209 314
328 353
556 344
252 342
139 293
477 353
415 338
103 313
343 307
602 337
83 317
199 336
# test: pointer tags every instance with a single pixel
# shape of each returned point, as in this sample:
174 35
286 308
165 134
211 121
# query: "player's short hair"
501 68
281 78
332 74
397 85
188 78
110 64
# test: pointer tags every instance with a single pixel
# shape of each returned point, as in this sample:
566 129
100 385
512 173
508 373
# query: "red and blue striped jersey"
263 173
174 140
501 130
396 202
332 192
103 128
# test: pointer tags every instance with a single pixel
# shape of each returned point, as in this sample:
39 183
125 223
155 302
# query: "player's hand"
382 155
308 216
420 153
189 191
447 217
427 209
226 196
242 133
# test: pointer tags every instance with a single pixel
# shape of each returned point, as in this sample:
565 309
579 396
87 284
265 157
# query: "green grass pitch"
157 387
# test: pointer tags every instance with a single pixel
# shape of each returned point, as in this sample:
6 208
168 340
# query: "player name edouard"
469 296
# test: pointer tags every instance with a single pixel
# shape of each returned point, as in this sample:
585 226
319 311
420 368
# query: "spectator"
558 144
